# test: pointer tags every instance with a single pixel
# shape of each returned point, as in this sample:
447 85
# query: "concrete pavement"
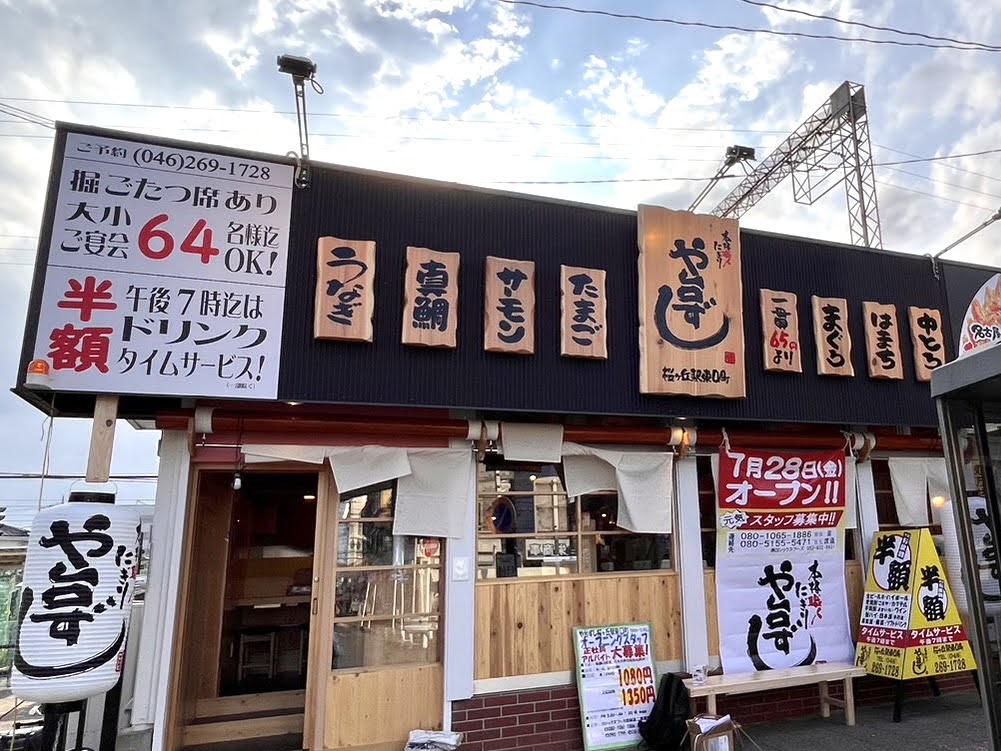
951 722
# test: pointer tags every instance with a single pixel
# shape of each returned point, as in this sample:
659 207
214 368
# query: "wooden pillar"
102 439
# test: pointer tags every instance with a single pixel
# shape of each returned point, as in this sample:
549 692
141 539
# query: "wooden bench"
767 680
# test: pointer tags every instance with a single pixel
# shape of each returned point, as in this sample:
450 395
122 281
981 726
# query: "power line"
939 158
610 180
26 116
727 27
873 27
943 164
406 118
943 182
933 195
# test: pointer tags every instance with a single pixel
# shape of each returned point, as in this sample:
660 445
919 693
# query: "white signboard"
982 322
76 601
616 682
780 563
166 272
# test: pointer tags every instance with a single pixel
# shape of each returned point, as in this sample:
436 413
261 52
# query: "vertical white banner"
780 560
76 601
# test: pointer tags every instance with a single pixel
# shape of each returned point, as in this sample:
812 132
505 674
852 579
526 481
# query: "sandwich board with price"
616 680
910 626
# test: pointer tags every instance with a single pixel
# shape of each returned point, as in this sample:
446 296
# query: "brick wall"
549 719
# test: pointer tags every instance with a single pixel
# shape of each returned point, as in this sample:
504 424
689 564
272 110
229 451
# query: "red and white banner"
781 490
780 559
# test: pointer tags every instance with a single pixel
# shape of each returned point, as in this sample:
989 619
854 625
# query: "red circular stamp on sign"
430 548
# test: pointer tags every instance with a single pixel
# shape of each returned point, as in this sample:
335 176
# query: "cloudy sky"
496 94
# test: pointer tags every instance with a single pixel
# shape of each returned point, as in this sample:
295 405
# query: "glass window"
387 588
529 527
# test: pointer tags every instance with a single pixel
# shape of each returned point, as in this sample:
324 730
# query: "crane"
830 147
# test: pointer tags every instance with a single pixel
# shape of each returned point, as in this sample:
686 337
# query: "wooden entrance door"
375 669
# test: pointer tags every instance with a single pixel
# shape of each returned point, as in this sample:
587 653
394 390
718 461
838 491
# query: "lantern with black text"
76 599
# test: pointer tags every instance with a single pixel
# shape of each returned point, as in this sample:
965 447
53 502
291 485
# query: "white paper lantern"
79 578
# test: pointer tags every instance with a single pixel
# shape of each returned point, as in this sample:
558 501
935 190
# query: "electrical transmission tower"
830 147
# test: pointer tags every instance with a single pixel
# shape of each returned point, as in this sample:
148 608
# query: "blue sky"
483 92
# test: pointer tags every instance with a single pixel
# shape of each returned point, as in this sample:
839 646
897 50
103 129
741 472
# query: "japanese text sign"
982 322
780 490
509 300
583 329
616 681
780 332
345 289
928 341
910 626
833 339
691 304
166 272
983 543
431 298
780 573
882 341
78 584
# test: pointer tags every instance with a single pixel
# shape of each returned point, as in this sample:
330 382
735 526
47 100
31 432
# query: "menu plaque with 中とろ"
165 271
616 682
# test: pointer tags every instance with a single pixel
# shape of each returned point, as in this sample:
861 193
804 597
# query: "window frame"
338 570
574 529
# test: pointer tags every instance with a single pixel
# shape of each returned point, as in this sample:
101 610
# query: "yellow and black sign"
910 626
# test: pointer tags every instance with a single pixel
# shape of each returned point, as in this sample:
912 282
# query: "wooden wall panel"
712 623
525 627
855 583
382 706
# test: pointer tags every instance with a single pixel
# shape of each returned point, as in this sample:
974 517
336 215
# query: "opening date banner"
780 559
166 271
616 681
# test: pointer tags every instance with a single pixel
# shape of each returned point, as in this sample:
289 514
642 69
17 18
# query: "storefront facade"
390 516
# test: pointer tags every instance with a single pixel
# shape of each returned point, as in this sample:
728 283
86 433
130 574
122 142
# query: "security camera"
297 67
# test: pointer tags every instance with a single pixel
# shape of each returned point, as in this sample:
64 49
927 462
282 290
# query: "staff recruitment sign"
616 681
780 565
165 272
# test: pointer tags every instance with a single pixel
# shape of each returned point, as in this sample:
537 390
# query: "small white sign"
166 272
616 681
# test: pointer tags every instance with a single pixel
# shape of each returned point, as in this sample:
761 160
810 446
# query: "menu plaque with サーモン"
616 682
